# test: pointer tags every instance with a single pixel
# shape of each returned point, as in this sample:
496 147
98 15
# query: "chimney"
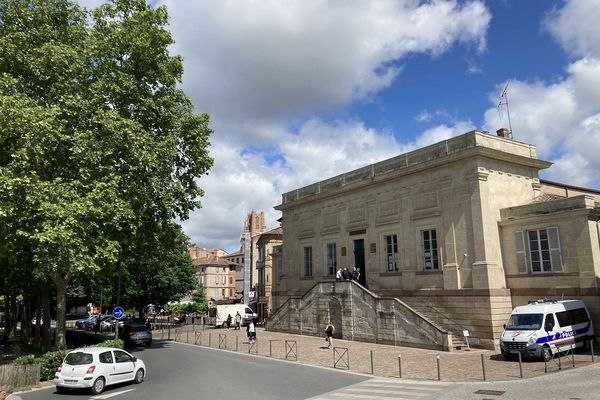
503 132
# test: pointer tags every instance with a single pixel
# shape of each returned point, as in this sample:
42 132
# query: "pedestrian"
329 331
251 330
355 273
346 275
6 391
338 275
238 321
228 321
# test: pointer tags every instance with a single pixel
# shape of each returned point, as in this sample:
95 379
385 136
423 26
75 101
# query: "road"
178 371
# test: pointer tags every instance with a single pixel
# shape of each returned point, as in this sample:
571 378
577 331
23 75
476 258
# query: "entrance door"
359 260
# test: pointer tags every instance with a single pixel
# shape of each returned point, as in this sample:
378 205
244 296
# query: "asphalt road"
179 371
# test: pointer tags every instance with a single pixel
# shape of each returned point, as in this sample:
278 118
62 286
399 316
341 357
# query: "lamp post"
118 290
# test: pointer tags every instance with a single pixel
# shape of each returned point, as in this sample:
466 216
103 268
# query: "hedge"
51 360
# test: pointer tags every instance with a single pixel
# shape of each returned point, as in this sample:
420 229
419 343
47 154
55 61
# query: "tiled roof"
211 260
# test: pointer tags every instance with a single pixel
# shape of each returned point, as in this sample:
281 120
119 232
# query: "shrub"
50 362
25 360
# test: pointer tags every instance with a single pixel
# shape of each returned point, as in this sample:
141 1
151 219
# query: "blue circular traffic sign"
118 312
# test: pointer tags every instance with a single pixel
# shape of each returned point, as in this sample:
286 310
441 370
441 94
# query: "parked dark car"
136 334
87 323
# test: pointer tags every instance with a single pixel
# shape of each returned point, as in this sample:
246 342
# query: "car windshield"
79 358
518 322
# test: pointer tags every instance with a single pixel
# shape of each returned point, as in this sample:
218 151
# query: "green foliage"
118 343
26 359
188 308
99 148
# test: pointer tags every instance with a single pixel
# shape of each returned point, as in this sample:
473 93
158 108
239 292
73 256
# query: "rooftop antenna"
504 102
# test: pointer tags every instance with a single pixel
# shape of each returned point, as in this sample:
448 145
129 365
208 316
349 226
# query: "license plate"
70 380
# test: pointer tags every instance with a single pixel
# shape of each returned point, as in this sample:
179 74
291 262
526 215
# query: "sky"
302 90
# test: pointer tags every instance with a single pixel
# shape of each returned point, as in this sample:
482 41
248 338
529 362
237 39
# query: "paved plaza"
376 359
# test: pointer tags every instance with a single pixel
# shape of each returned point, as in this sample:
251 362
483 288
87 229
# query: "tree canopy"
100 149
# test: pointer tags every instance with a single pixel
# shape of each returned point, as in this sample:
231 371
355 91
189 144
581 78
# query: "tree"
97 140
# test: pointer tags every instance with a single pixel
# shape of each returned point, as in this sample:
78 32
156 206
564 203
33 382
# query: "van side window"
572 317
550 322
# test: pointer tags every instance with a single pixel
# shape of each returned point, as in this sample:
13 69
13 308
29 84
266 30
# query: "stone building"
215 273
264 266
454 235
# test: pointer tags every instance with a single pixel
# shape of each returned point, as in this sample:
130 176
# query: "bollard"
520 366
236 342
372 369
545 366
559 362
592 348
400 366
169 328
483 368
209 339
439 372
187 337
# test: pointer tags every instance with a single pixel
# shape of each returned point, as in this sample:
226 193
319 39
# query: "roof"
211 260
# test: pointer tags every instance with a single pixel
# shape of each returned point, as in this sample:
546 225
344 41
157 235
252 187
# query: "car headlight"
532 339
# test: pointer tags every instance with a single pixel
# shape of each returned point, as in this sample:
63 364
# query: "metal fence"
381 360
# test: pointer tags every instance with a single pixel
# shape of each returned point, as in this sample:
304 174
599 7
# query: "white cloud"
575 27
255 64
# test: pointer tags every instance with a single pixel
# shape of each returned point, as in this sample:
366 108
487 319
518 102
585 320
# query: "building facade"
214 273
266 243
462 231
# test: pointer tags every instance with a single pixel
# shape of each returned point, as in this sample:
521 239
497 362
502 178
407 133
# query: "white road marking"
109 395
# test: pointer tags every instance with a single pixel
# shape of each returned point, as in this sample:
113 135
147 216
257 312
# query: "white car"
97 367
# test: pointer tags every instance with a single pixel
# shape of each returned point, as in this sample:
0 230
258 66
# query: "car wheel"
98 386
546 354
139 376
60 390
149 343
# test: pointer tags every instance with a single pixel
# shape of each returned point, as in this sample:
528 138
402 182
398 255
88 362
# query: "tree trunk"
61 305
45 318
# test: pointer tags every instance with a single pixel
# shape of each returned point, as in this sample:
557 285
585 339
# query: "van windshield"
519 322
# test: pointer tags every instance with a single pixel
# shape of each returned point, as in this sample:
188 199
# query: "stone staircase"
437 316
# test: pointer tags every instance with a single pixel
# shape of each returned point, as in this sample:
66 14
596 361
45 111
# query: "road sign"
118 312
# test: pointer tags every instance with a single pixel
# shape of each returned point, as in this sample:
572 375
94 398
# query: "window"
572 317
216 280
542 252
331 258
308 261
430 252
122 357
391 252
223 280
106 357
231 280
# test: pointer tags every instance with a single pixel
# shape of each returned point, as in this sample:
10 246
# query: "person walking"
238 321
251 329
329 331
228 322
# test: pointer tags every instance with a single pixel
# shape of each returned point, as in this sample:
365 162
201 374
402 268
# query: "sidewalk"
377 359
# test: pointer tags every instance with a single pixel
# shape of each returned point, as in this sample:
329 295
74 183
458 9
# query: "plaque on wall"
373 247
343 251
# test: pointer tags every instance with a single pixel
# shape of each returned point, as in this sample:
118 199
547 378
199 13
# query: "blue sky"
299 91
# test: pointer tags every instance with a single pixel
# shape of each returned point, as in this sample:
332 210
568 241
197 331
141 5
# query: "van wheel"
546 354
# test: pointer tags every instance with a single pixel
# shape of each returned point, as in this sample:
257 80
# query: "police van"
543 328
